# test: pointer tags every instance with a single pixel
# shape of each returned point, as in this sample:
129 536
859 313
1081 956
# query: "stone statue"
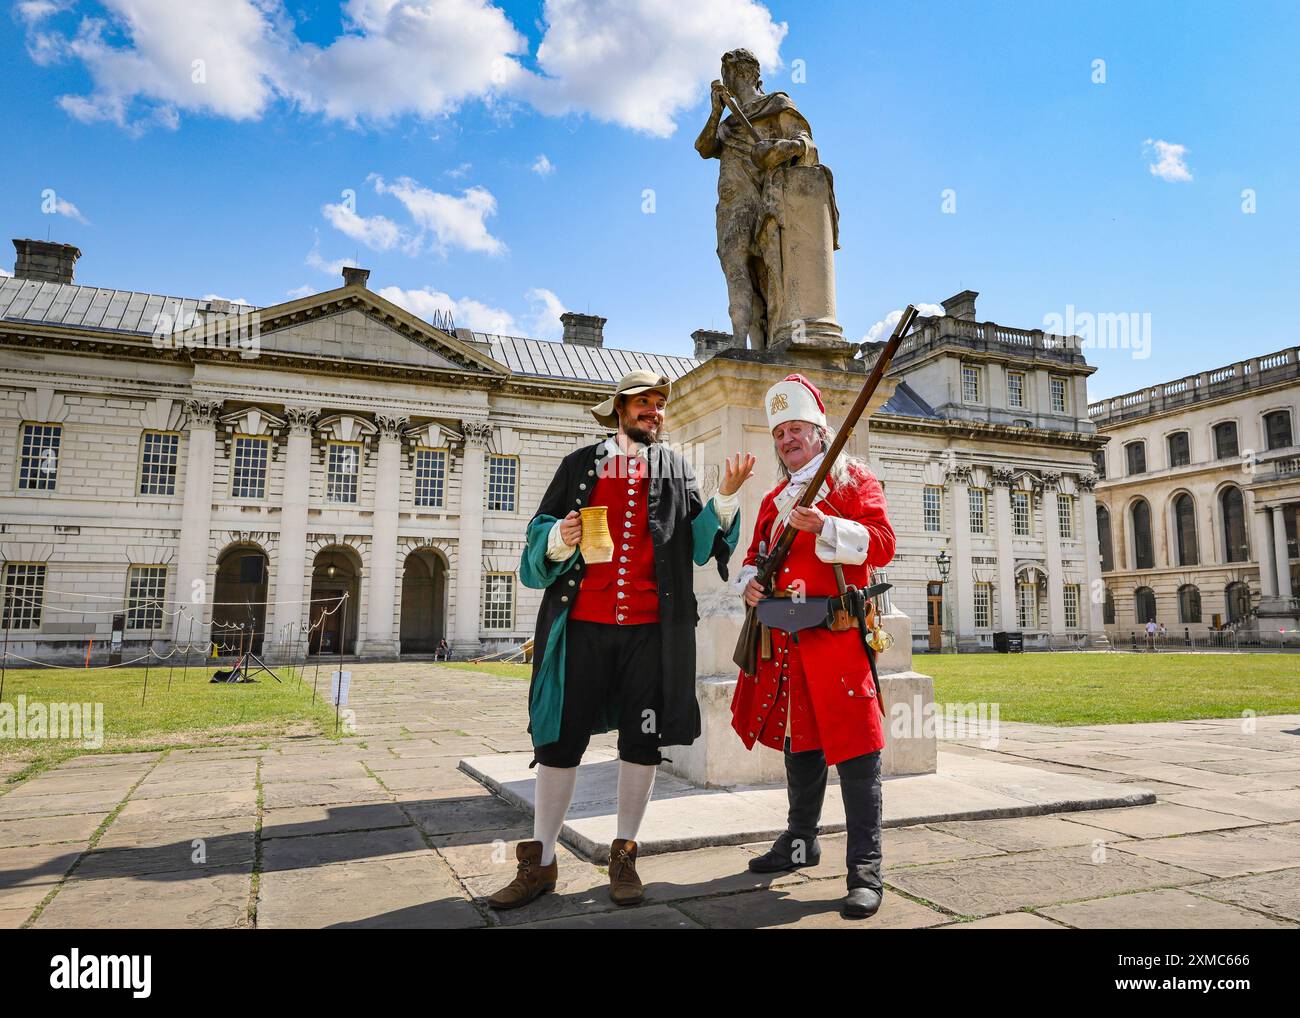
777 220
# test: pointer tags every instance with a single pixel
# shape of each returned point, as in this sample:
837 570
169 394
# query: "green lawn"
193 712
501 668
1092 689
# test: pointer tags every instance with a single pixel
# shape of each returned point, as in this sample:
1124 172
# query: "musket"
769 565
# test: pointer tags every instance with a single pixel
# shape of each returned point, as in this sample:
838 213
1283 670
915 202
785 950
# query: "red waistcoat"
622 591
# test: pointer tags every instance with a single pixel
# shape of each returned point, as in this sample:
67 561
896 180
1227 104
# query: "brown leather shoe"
624 885
531 879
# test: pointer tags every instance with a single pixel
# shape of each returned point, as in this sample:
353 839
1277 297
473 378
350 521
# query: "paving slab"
49 830
641 917
330 849
133 851
683 816
208 899
276 795
1024 834
455 816
1276 807
980 887
1160 820
28 874
299 821
184 808
1007 921
21 807
1278 893
1225 853
1167 909
811 905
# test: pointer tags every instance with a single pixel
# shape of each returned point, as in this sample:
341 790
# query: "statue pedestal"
717 410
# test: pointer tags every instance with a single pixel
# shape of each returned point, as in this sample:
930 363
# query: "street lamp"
944 561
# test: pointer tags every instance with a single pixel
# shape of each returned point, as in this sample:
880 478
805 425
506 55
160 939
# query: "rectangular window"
498 601
24 595
1026 606
503 480
343 473
1015 389
1020 513
430 478
1136 454
970 384
158 456
38 461
1225 440
1065 513
1071 594
248 478
932 508
1179 450
983 606
979 501
1057 385
146 586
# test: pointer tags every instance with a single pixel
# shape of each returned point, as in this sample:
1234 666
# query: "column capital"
391 426
1086 482
202 413
1003 477
301 419
958 475
477 433
1050 480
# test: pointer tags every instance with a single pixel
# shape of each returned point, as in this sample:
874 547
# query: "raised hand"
736 471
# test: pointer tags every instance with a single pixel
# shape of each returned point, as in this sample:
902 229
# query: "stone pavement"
380 829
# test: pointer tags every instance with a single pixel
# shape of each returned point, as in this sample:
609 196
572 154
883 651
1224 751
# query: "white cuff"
743 577
726 506
843 542
556 549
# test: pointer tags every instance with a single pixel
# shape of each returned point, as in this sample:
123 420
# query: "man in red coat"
815 697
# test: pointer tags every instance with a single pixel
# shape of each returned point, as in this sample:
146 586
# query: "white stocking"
635 783
554 793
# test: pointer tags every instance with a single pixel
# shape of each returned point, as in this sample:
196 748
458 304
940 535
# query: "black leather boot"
863 815
805 786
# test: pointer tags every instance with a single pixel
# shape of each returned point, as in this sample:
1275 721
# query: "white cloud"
454 222
306 290
468 313
544 321
542 166
63 207
6 272
1170 161
641 63
377 232
884 328
458 171
636 63
330 268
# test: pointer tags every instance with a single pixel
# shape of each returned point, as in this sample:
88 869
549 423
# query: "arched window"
1189 603
1185 528
1108 608
1277 429
1143 550
1237 598
1144 605
1234 525
1225 440
1103 539
1179 449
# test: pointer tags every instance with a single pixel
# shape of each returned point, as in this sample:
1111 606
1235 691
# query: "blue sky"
434 115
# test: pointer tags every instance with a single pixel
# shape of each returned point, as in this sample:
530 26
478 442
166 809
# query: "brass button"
565 597
572 583
582 487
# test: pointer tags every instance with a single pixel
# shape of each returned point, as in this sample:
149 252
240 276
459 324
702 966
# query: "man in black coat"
615 639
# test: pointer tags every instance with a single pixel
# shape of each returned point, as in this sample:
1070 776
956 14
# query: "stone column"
1264 553
1282 560
289 611
380 641
1052 546
961 580
1095 594
192 584
1002 480
469 551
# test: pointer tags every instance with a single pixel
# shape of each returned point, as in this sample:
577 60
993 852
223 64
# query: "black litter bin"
1009 643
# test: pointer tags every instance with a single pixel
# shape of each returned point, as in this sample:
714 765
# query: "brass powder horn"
596 544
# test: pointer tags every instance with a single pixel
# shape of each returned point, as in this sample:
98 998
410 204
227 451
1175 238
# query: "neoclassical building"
334 473
1197 505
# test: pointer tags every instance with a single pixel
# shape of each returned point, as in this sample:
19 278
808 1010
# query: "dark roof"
906 403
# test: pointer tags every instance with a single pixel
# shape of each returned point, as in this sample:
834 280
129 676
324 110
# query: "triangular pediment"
353 325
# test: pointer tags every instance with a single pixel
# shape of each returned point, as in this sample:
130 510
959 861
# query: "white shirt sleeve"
843 541
556 549
726 507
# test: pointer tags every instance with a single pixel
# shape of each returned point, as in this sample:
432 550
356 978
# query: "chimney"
45 260
708 342
353 276
583 330
961 305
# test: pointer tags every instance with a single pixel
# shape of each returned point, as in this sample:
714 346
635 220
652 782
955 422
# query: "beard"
639 433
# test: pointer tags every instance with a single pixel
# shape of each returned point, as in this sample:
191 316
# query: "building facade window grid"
932 508
1027 604
1058 389
979 500
343 472
38 461
1020 515
1136 454
1179 449
248 471
1277 429
430 478
983 605
1015 389
970 383
503 483
24 595
1225 440
1070 600
498 601
1065 516
146 587
159 453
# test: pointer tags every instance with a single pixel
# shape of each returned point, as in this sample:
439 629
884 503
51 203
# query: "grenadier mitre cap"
794 398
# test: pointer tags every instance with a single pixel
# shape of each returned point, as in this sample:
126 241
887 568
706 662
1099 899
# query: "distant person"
442 651
1151 634
1163 634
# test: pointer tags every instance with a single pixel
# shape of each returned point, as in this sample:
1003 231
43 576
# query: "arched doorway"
424 600
239 600
336 571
